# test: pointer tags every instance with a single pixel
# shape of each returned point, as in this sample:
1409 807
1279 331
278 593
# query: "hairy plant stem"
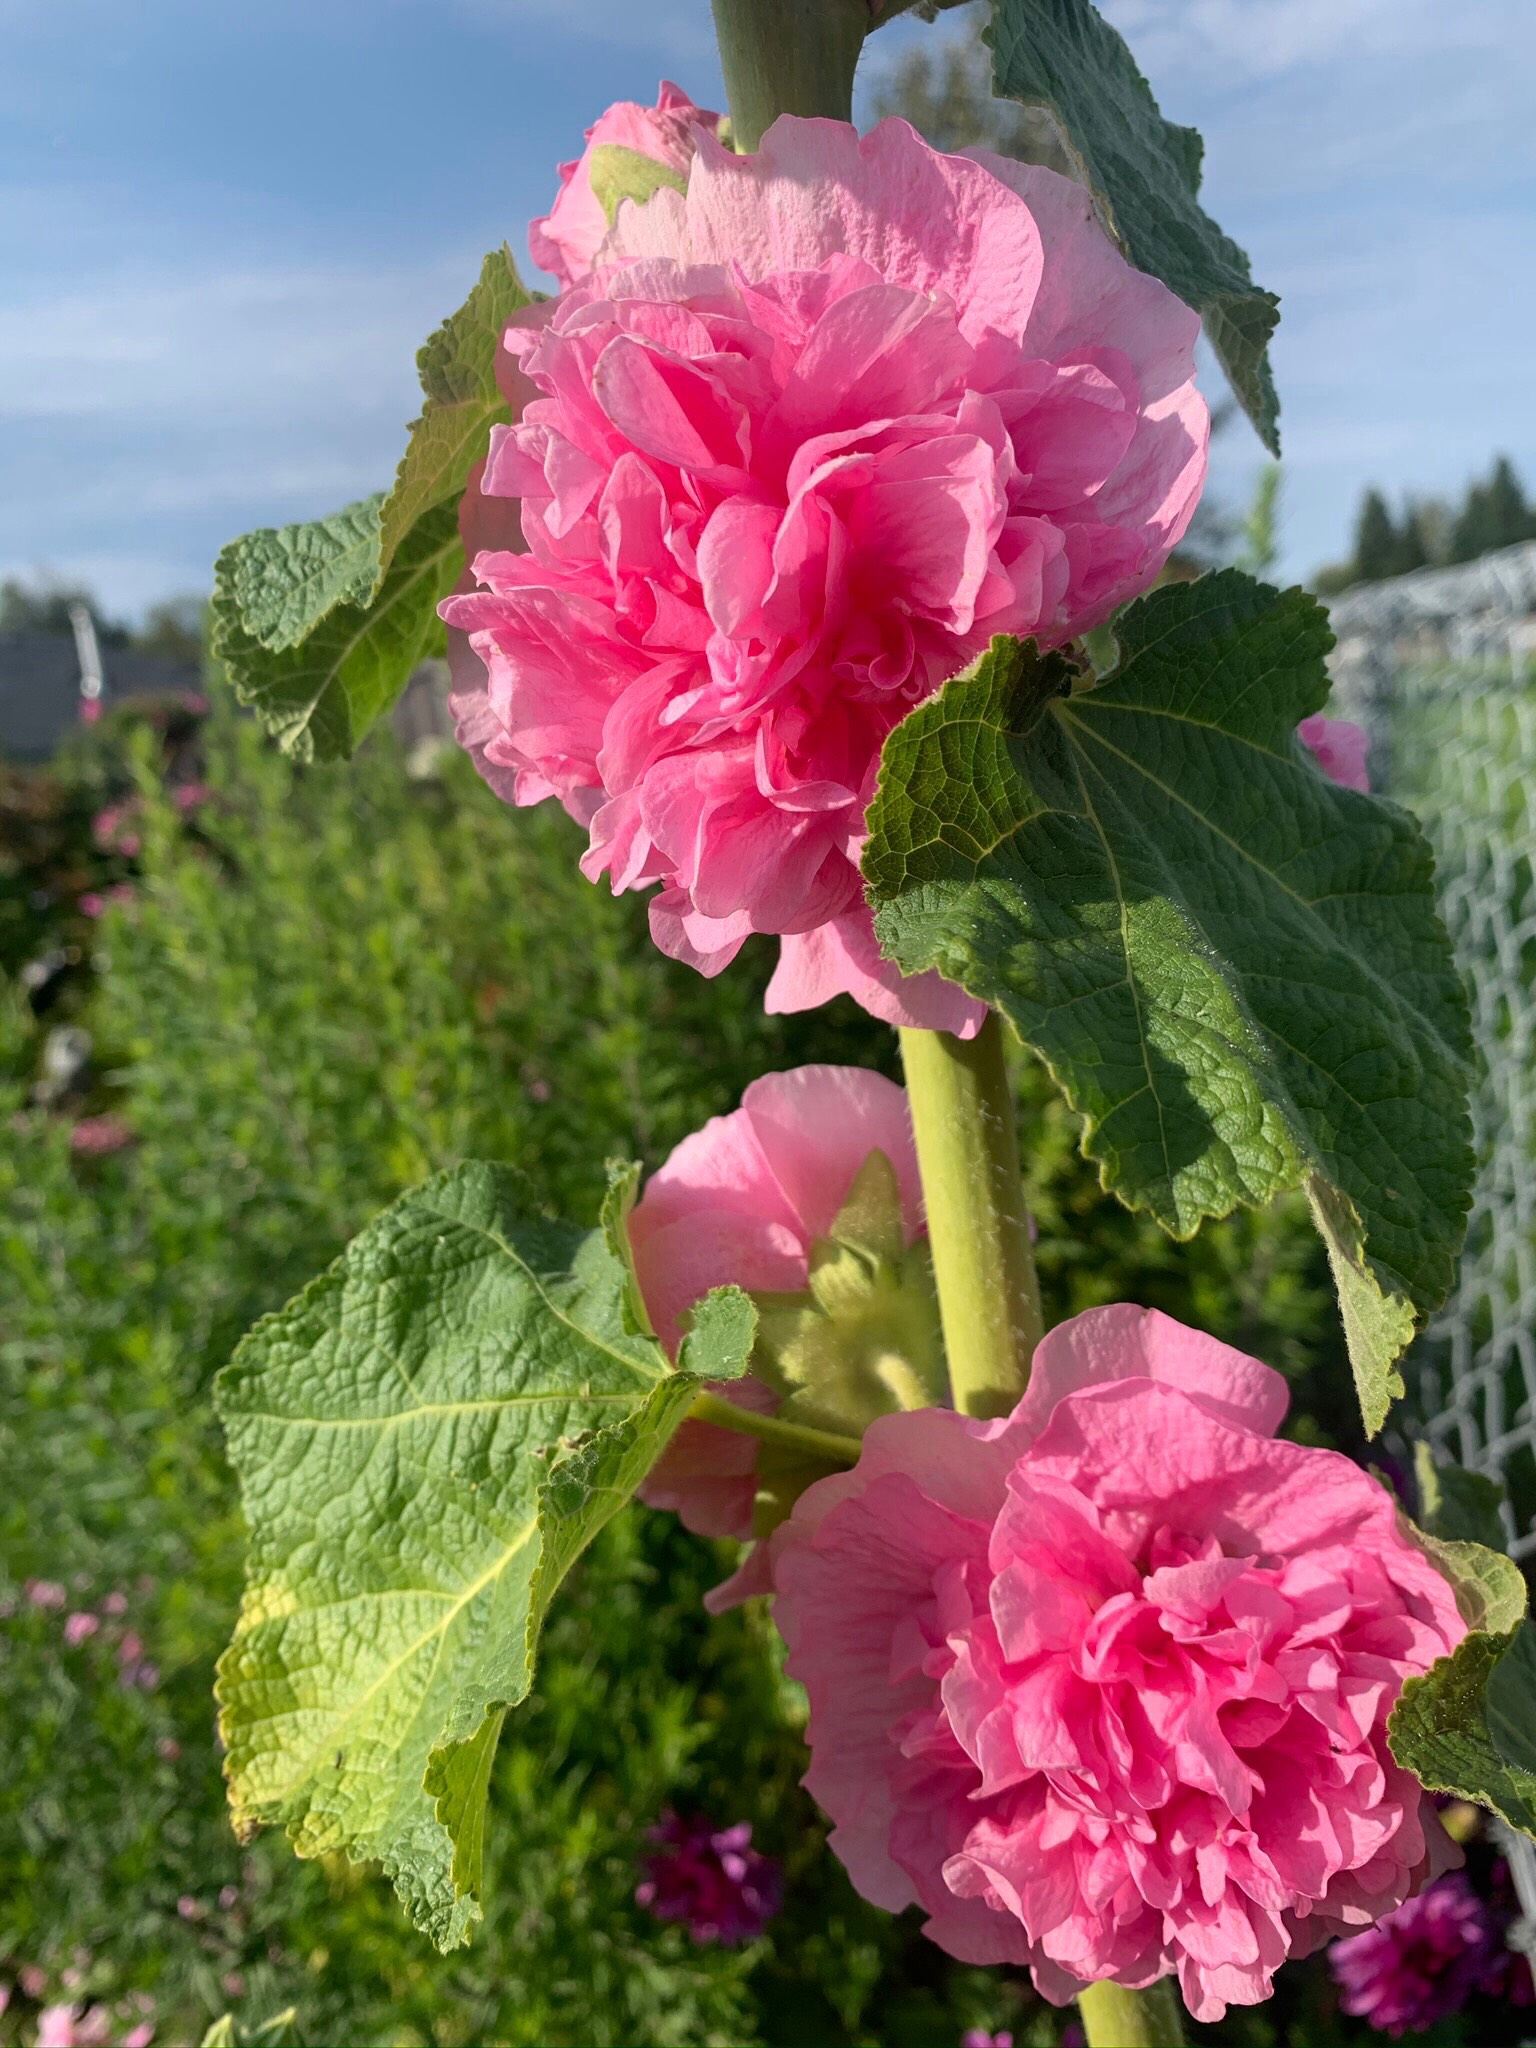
1116 2018
811 1443
788 57
978 1226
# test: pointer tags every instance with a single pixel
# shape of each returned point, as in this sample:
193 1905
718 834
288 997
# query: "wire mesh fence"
1440 669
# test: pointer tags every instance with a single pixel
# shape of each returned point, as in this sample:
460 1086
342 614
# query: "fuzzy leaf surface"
319 697
1233 967
463 402
1144 173
426 1437
1456 1505
281 581
320 625
1465 1726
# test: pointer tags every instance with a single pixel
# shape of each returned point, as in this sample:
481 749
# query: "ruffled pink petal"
842 958
1123 1343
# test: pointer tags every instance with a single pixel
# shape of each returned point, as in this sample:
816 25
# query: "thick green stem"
978 1226
794 1436
788 57
1116 2018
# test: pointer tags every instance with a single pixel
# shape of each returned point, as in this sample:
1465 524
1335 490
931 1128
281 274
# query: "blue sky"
225 225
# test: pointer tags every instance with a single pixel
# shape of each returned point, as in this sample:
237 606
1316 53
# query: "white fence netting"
1440 669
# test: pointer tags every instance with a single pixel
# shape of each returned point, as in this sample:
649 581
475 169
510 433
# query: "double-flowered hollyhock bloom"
566 239
742 1202
711 1879
1103 1686
801 442
1423 1961
1341 749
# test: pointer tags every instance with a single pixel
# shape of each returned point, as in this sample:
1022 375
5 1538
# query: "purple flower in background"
711 1878
1422 1962
978 2037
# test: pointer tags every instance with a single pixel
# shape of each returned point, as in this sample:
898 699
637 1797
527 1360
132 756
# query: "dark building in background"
40 687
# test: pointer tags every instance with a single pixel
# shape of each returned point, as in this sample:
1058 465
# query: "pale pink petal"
1341 750
842 958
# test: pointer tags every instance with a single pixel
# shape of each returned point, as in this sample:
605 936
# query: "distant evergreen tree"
1412 551
1493 515
1510 517
945 91
1378 544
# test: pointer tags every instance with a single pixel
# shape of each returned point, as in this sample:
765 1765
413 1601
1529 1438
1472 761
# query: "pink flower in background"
47 1593
190 796
112 828
742 1201
801 443
79 1628
97 902
1103 1687
94 1136
1341 749
1423 1961
73 2026
710 1878
565 240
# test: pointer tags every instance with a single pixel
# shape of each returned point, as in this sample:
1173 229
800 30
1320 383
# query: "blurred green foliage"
334 983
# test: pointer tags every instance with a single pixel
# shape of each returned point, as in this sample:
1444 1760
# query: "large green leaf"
1455 1505
319 697
458 375
320 625
1233 967
1145 176
280 582
1466 1725
425 1438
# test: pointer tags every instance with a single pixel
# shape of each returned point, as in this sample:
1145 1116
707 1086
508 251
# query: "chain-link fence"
1440 668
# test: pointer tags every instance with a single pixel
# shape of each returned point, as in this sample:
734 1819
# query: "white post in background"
88 653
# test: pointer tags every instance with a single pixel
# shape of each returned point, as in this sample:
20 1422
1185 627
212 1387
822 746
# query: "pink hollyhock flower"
742 1201
79 1628
710 1878
1422 1962
1341 749
798 446
1103 1686
47 1593
566 239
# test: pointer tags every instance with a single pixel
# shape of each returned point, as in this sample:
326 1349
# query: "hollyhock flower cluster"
1422 1962
791 452
1103 1686
1341 749
742 1201
711 1879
